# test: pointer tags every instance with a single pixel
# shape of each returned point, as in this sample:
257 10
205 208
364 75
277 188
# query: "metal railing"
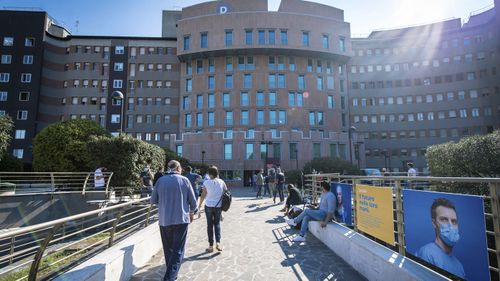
489 185
12 183
42 251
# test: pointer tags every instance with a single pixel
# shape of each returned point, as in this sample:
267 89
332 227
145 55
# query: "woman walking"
212 194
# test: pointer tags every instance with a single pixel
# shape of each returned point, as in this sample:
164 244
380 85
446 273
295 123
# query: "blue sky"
143 17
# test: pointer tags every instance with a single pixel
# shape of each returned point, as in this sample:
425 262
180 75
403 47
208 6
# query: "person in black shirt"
159 174
294 198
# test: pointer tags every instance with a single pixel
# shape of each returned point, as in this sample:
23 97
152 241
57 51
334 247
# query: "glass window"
330 102
247 81
229 38
211 82
8 41
204 40
119 50
199 119
189 85
301 82
342 44
244 101
281 81
226 100
305 39
325 42
229 82
244 117
271 81
211 65
261 37
282 117
6 59
272 99
248 37
260 117
260 99
229 63
211 119
187 120
284 37
312 118
199 101
291 63
272 117
319 83
228 151
249 151
199 66
271 37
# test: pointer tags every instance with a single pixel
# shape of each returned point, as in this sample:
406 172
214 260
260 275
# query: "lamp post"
118 96
352 129
203 157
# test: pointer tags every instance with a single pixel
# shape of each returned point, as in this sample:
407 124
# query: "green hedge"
126 157
10 163
331 165
5 128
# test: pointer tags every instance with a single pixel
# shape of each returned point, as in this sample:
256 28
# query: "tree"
125 157
10 163
5 128
331 165
63 146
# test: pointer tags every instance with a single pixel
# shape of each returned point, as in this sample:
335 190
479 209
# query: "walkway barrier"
397 212
44 250
48 182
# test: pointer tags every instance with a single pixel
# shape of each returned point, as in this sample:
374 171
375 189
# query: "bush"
126 157
170 155
294 177
331 165
5 128
10 163
62 147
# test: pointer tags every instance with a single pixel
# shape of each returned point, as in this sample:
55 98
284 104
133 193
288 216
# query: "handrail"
418 178
42 225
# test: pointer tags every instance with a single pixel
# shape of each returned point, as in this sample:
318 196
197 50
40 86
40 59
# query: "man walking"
176 205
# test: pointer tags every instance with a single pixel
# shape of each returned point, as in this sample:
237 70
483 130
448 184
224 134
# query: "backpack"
226 199
146 178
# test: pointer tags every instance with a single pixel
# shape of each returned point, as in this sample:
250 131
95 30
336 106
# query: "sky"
143 17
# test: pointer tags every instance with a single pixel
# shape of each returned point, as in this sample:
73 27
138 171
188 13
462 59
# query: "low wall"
120 261
369 258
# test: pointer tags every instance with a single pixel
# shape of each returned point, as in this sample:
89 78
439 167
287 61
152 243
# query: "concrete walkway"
257 245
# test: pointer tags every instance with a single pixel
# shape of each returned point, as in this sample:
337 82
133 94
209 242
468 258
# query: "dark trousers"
279 191
213 224
173 238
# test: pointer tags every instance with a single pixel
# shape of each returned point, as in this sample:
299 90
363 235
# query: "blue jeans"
279 190
173 238
259 191
306 216
213 223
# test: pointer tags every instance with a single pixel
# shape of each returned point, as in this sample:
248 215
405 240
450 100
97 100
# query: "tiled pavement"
257 245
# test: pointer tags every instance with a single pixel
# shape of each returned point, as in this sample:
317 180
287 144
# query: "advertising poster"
374 213
448 231
343 194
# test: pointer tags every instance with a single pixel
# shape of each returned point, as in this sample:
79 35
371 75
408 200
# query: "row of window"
264 37
118 84
118 66
422 116
9 41
5 77
22 96
416 64
427 81
142 119
295 99
247 63
7 59
429 98
120 50
430 133
274 81
445 44
396 152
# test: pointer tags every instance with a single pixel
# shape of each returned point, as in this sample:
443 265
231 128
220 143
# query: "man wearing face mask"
439 252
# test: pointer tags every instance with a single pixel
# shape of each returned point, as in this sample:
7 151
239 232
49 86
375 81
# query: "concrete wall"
372 260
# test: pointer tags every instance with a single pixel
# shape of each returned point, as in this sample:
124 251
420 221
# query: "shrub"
62 147
5 128
331 165
10 163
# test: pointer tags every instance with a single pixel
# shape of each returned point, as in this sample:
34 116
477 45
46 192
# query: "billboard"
374 213
448 231
343 194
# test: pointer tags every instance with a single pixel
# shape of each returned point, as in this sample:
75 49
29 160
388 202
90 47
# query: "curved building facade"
262 87
414 87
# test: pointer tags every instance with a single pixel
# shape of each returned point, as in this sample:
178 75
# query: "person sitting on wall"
294 198
324 214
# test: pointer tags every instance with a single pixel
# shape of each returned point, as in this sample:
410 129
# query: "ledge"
369 258
120 261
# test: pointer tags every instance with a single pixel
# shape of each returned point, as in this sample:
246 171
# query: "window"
18 153
228 38
229 118
301 82
281 81
204 40
249 151
342 44
199 119
250 63
8 41
316 150
244 117
22 115
282 117
284 37
185 103
24 96
261 37
271 37
186 42
229 63
319 83
20 134
187 120
211 119
249 37
228 151
271 81
260 99
115 118
117 84
291 63
199 101
226 100
118 66
330 102
189 85
6 59
25 77
229 82
305 39
3 96
211 82
119 50
211 65
325 42
260 117
241 63
29 42
178 150
272 99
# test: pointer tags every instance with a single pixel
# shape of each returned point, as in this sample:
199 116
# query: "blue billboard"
448 231
343 195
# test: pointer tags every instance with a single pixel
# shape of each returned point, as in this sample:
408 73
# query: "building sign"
222 9
374 213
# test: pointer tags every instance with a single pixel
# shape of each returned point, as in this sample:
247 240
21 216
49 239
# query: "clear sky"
143 17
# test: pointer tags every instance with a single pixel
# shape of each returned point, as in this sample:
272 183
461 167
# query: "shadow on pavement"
258 209
275 220
202 256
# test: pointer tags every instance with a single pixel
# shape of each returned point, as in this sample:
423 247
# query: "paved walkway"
257 245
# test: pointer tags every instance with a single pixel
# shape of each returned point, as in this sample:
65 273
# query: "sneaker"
299 238
210 249
291 222
218 247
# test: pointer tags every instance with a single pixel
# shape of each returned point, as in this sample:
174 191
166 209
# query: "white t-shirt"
214 187
98 182
412 172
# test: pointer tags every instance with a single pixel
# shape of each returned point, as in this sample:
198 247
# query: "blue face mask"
449 234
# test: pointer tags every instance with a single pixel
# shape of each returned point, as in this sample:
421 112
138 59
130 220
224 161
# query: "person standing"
147 180
280 185
99 181
212 195
194 178
411 171
272 182
260 183
158 174
176 206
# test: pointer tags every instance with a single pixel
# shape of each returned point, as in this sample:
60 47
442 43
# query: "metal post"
39 254
52 181
107 184
399 218
85 183
148 215
495 210
113 229
11 252
355 201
